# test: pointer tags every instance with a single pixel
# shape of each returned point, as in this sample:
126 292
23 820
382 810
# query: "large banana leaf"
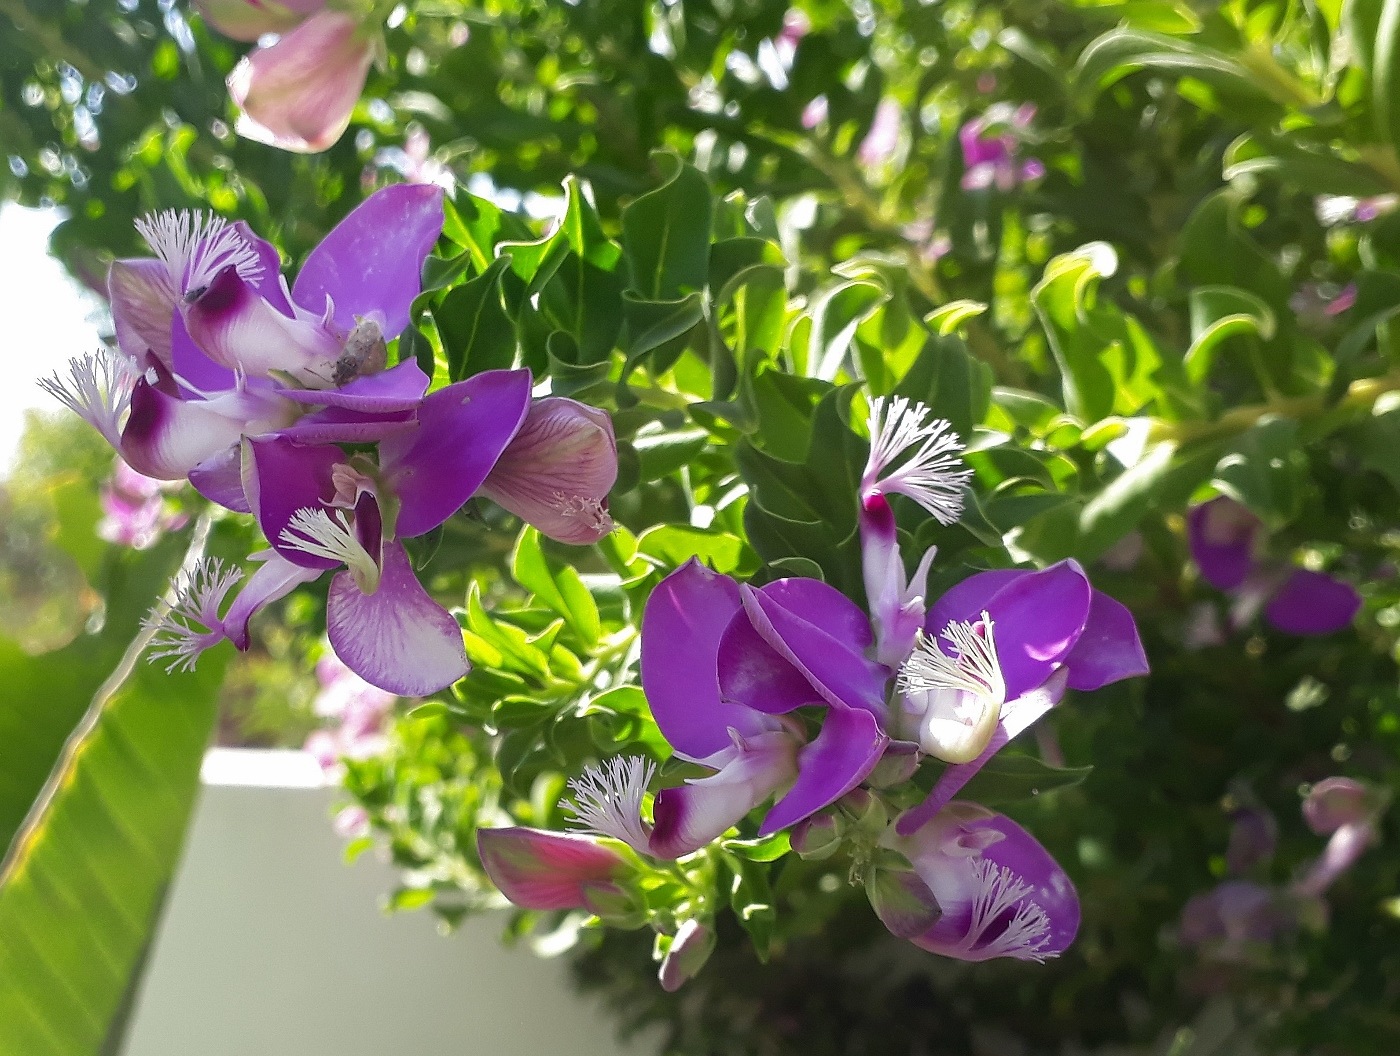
84 877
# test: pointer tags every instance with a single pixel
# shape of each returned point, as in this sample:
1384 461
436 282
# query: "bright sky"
48 319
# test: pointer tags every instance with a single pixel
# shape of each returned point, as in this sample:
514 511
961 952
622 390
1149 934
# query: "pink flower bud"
558 470
547 870
299 93
1338 801
689 950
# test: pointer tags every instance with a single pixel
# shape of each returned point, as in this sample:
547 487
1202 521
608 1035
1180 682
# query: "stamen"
1028 931
191 624
974 668
608 800
590 510
98 389
934 475
316 532
194 247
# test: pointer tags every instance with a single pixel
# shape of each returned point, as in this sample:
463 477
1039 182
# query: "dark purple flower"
1225 540
990 147
997 891
1234 916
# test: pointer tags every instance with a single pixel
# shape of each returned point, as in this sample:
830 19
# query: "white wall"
271 946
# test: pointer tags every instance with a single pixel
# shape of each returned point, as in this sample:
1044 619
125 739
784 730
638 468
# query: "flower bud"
548 870
1338 801
902 900
687 954
557 471
298 94
818 837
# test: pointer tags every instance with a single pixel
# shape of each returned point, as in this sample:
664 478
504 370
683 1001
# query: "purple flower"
211 347
997 892
298 94
1339 209
1253 839
1234 916
356 712
549 870
1347 811
990 147
882 140
1225 539
135 512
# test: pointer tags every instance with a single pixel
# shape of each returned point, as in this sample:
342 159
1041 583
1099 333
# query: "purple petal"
691 948
545 870
974 866
336 425
143 300
755 675
192 366
461 432
1222 535
268 280
166 437
965 601
693 814
372 262
219 478
400 388
557 472
1337 801
1312 603
1109 649
1037 616
844 677
1016 716
235 327
682 625
845 751
281 477
397 638
275 579
824 607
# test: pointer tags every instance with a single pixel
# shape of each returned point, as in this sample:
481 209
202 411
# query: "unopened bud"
687 954
818 837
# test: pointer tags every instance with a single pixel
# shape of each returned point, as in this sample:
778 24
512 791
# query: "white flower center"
608 800
191 622
194 247
316 532
1026 934
957 698
934 475
98 389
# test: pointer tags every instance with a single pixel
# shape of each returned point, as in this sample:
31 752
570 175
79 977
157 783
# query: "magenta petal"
400 388
1037 616
1222 535
965 601
219 478
237 328
824 607
372 261
268 281
557 471
684 621
397 638
841 757
843 676
546 870
754 674
1001 892
1313 603
461 433
1016 716
166 437
192 366
1109 649
281 477
143 300
275 579
336 425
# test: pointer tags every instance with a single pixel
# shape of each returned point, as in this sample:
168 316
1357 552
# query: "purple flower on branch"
991 147
1225 540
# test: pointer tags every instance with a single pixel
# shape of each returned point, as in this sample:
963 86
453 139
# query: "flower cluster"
278 401
790 694
991 146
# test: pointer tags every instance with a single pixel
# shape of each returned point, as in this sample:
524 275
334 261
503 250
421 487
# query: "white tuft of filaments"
1025 935
98 389
195 247
974 667
934 476
608 800
191 623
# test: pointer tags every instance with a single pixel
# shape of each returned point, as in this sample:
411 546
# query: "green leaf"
1219 314
649 324
478 226
1122 51
950 318
1159 480
561 589
836 314
1011 778
477 333
82 885
666 233
1385 71
1267 471
672 545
